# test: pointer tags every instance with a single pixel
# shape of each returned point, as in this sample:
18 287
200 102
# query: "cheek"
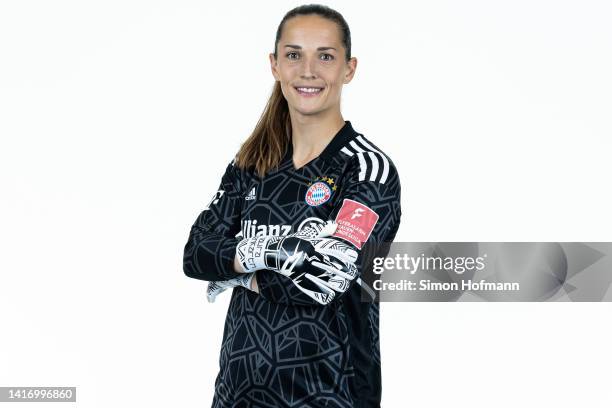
287 90
334 80
286 78
288 71
334 86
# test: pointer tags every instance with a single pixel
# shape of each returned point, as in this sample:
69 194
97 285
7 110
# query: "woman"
299 214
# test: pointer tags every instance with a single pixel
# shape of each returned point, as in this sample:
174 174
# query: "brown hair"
265 147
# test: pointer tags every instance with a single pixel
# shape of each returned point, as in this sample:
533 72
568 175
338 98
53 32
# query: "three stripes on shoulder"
373 164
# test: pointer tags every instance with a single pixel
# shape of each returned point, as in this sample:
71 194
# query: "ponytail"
264 149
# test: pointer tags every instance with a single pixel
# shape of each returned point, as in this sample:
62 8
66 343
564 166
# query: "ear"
351 67
274 66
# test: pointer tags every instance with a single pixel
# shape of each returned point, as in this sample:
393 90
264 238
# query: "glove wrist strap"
251 253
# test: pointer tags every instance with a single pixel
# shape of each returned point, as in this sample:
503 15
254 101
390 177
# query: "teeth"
310 90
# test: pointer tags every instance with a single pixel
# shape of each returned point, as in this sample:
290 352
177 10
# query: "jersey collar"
344 135
341 138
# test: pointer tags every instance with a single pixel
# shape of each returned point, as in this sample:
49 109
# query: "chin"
309 112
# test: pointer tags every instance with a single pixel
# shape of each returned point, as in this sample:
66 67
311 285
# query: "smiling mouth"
308 91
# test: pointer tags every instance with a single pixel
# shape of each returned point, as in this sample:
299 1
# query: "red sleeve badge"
355 222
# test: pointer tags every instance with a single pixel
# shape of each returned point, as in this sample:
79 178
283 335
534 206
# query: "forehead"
312 29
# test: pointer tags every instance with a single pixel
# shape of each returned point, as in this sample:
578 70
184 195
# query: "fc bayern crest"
318 193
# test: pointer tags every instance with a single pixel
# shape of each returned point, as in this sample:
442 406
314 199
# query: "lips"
308 90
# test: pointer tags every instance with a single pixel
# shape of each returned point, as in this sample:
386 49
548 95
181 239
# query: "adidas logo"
251 195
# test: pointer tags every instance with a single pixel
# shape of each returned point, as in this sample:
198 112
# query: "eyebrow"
297 47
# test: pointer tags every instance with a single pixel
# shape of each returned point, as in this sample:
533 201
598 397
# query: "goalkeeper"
299 215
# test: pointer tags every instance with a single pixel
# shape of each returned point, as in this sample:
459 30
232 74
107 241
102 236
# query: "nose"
309 67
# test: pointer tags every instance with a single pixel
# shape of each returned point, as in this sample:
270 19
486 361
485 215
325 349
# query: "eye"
331 57
288 55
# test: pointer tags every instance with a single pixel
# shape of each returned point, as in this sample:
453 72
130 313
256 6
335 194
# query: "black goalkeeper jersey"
280 347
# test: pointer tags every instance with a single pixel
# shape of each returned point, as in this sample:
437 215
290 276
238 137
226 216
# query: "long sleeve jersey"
280 347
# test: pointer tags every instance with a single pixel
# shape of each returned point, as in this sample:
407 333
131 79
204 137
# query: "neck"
311 134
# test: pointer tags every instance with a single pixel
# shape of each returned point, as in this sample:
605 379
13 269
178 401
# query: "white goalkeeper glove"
317 265
216 287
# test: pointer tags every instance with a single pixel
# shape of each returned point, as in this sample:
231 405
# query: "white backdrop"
117 119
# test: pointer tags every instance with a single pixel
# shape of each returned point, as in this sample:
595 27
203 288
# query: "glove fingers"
323 295
320 283
349 273
337 249
316 230
341 257
338 284
328 229
213 290
216 287
308 233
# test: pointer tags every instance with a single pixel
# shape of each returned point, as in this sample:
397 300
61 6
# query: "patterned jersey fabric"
280 347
